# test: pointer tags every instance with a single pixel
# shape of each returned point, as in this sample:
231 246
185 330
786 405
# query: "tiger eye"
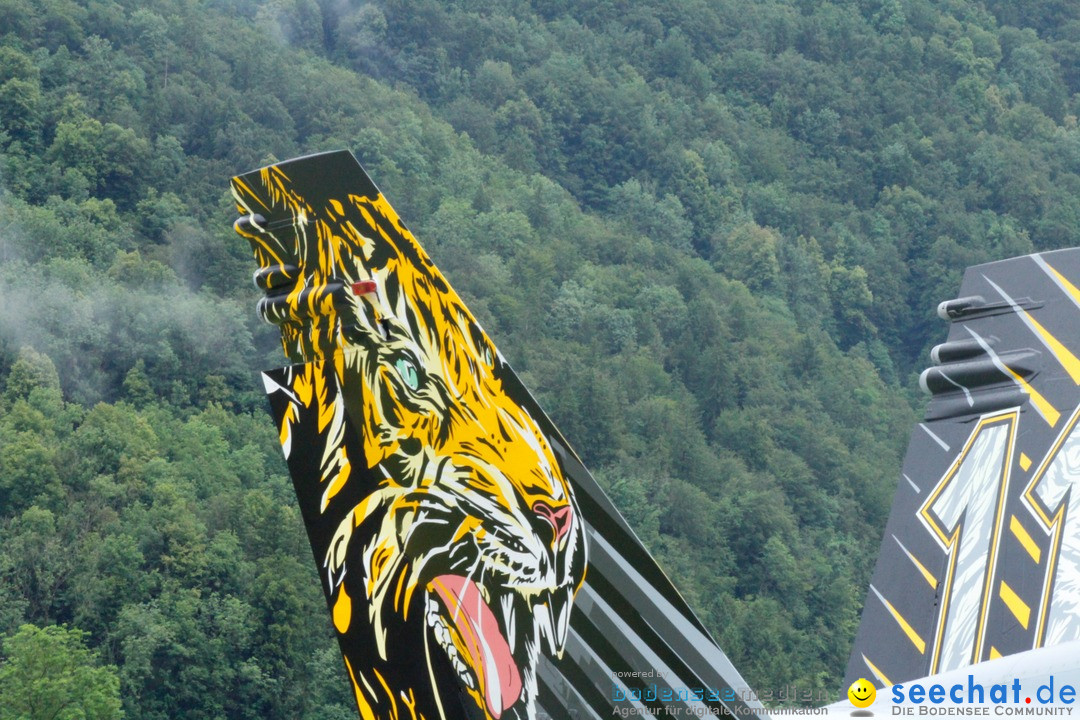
408 374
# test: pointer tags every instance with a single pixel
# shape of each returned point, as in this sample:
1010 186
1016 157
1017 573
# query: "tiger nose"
559 519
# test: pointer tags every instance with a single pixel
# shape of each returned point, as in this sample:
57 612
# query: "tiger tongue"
488 650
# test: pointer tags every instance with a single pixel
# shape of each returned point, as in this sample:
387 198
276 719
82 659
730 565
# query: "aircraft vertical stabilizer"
472 567
981 554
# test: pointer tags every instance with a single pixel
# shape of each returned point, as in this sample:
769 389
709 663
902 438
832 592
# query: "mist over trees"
709 236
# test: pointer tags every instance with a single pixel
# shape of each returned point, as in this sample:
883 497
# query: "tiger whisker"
476 566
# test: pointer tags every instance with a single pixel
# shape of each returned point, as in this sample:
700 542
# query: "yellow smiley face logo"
862 693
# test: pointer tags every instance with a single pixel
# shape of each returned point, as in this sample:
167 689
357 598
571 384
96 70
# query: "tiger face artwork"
447 534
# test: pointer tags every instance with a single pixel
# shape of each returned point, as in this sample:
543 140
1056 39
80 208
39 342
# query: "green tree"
37 561
49 674
749 254
20 109
31 370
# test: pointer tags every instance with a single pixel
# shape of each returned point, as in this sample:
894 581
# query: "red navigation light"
364 287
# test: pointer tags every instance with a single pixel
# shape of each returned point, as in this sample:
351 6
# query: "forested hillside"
708 234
